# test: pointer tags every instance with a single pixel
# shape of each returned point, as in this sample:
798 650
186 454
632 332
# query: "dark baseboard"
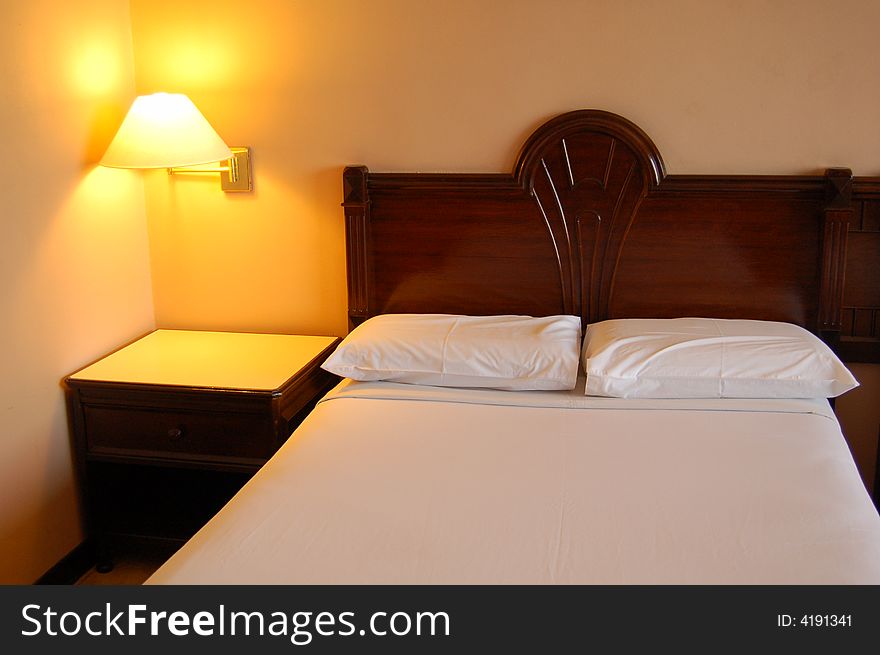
71 567
85 556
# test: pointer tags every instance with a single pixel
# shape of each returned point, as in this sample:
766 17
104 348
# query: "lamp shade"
164 130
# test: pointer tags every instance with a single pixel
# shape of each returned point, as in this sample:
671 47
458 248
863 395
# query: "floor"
131 568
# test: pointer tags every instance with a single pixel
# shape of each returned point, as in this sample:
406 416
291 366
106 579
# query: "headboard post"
836 217
356 204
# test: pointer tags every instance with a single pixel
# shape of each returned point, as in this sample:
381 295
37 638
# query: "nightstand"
168 428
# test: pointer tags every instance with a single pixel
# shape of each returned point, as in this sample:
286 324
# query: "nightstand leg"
103 557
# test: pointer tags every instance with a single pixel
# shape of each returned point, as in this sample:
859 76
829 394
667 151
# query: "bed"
389 482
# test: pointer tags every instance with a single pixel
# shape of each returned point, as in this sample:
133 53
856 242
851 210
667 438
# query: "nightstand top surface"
223 360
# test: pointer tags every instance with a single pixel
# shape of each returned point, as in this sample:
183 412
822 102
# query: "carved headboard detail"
588 172
589 224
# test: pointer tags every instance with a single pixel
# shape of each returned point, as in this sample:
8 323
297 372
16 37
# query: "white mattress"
396 484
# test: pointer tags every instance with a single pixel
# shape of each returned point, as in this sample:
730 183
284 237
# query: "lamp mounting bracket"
234 177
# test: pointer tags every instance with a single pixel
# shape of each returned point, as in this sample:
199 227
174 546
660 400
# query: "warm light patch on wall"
87 243
202 47
77 222
96 69
197 64
104 186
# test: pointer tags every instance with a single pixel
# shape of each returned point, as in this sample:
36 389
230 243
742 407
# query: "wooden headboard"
590 224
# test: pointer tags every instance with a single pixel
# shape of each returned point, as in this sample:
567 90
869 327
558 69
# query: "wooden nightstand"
168 428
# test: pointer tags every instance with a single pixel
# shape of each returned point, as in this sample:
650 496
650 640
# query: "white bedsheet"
396 484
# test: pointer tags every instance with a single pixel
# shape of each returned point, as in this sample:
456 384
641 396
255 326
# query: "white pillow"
501 352
709 358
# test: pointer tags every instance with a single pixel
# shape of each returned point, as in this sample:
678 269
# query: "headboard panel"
589 224
588 172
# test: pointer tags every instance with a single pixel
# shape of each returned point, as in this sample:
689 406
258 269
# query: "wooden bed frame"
590 224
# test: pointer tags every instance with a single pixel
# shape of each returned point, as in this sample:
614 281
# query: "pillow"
501 352
709 358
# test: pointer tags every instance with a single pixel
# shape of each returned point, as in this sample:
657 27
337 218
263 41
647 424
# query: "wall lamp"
166 130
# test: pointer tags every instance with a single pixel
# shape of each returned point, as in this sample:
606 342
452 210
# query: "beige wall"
722 87
73 256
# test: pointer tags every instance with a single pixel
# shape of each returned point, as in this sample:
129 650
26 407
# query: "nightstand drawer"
178 434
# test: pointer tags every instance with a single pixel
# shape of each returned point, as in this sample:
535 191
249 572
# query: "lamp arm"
232 169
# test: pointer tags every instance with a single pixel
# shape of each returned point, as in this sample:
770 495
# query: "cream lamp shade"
164 130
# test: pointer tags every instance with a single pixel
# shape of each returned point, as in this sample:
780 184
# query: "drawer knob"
175 433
